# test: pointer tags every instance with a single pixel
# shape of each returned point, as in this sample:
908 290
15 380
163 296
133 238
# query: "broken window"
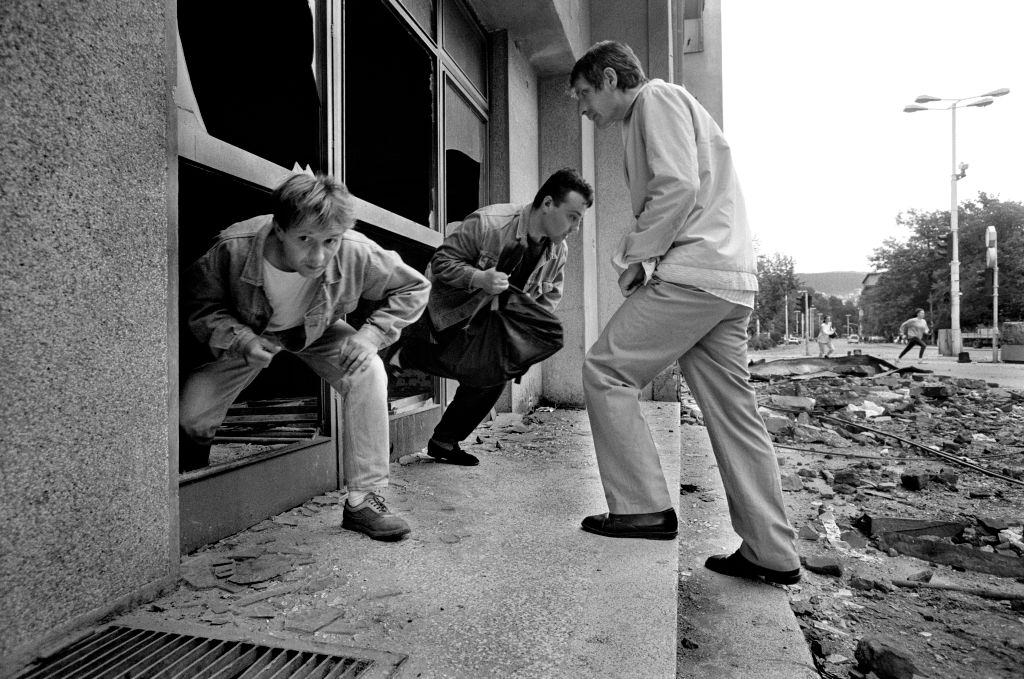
389 113
465 153
251 64
423 12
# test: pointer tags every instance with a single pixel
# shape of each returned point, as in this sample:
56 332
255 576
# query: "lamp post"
992 262
956 175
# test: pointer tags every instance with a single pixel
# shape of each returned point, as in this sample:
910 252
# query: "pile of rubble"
907 489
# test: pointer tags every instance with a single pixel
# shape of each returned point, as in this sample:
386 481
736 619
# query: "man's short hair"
560 184
609 54
320 198
919 311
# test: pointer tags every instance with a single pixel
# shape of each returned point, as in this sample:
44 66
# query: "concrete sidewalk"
497 579
729 628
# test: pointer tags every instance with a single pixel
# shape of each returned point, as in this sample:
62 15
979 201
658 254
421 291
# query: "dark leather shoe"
652 526
454 456
738 566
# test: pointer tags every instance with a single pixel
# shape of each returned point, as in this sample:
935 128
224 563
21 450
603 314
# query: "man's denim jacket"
491 236
227 307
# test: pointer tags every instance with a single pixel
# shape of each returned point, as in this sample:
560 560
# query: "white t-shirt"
289 294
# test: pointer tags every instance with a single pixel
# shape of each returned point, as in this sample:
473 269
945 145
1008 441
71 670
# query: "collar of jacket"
523 230
252 272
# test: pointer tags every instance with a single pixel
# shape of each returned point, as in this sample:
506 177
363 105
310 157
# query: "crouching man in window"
284 282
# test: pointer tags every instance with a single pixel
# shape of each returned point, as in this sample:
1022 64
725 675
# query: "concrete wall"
701 72
563 143
646 27
86 510
523 181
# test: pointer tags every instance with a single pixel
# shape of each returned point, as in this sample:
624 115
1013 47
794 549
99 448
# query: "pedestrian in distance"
529 241
688 273
825 334
284 282
915 329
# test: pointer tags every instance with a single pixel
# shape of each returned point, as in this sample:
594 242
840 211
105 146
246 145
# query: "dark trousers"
470 405
910 345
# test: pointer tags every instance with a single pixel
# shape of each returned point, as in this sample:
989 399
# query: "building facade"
131 133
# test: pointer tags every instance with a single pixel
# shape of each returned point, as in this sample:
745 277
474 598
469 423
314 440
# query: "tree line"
913 273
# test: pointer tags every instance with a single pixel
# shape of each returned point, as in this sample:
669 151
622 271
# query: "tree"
775 280
915 272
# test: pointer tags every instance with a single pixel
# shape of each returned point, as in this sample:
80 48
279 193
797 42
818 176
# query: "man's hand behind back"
631 279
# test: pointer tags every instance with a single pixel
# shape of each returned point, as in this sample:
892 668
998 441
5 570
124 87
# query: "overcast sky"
814 93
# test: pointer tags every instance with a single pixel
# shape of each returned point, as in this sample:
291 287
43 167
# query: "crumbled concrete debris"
915 479
884 659
792 482
823 565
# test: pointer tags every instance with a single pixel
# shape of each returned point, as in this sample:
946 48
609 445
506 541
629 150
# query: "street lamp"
956 175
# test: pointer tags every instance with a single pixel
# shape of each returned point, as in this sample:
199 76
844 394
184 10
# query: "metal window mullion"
414 25
464 84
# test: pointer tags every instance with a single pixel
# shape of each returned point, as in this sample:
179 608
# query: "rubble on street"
907 491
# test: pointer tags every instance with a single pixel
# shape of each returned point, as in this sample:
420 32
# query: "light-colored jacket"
493 236
914 327
825 333
227 307
686 198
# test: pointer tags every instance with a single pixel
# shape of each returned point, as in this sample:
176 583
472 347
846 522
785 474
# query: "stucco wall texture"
85 506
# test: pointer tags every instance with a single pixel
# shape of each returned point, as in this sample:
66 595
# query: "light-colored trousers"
211 389
664 322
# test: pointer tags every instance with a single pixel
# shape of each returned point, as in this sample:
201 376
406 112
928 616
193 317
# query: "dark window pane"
389 113
423 12
465 153
465 43
251 67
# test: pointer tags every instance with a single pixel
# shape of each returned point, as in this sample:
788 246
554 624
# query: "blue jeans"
209 391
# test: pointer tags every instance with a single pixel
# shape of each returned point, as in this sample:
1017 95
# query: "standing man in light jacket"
687 271
529 242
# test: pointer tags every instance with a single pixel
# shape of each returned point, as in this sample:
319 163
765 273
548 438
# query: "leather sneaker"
372 517
652 526
738 566
454 456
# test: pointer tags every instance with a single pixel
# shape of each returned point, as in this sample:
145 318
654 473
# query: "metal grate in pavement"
119 652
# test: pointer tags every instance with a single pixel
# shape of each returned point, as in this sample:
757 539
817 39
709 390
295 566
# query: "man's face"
308 247
558 222
601 105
